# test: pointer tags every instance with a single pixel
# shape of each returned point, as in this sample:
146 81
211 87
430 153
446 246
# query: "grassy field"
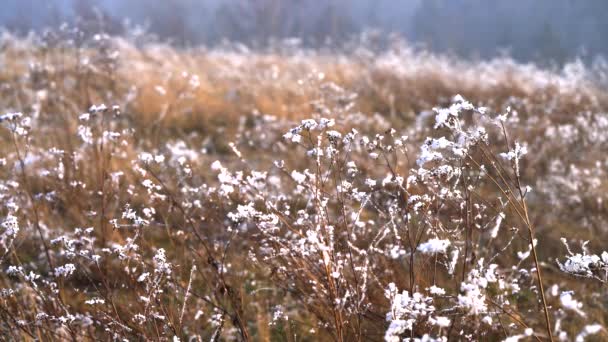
155 193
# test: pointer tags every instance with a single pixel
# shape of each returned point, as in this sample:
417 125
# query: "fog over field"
556 30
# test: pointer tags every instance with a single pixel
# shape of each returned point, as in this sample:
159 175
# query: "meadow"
149 192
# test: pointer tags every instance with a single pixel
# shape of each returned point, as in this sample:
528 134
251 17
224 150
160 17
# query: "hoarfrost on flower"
590 329
160 261
433 246
65 270
568 302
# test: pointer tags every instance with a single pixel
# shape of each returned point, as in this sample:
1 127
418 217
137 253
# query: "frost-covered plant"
326 228
408 310
585 265
317 222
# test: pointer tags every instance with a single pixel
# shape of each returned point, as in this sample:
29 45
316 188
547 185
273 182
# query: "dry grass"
206 99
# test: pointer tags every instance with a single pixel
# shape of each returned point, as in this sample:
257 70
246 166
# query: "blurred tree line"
537 30
527 30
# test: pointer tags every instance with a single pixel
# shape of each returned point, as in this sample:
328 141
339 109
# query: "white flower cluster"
17 123
407 310
228 181
445 151
161 265
448 117
585 264
473 299
65 270
10 117
294 134
10 227
433 246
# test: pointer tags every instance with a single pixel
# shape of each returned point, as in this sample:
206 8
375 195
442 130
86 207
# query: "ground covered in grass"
155 193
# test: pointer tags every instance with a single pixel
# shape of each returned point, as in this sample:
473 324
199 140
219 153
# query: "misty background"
540 30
